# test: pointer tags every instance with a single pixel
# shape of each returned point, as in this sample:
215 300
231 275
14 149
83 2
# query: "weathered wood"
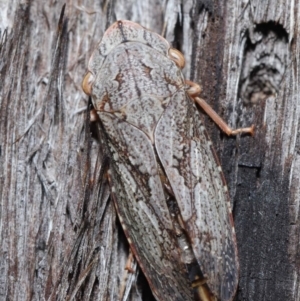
59 234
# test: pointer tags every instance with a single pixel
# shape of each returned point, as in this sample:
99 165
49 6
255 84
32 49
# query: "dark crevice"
264 62
257 168
207 5
178 35
265 28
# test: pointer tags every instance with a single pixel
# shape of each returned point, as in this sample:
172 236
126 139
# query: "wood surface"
60 238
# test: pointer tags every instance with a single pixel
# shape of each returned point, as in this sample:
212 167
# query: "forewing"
142 209
198 184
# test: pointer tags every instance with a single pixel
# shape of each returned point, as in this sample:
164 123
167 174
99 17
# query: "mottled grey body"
153 130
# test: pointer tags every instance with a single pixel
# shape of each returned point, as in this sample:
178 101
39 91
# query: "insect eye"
87 83
177 57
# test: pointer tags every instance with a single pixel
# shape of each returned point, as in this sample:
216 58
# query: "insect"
165 179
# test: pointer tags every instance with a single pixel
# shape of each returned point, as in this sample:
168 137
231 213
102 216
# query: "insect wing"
140 203
198 184
140 97
124 31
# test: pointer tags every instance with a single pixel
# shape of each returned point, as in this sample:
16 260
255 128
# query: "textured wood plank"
254 79
58 235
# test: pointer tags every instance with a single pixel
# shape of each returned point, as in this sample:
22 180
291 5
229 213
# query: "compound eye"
177 57
87 83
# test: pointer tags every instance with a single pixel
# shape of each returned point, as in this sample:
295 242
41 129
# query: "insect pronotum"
166 182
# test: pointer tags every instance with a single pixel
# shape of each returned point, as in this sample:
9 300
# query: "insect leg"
130 268
202 290
193 91
129 262
93 116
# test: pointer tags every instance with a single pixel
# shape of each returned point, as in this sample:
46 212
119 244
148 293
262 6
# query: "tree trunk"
60 237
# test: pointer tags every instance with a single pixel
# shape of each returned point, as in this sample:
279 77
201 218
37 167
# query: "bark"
60 237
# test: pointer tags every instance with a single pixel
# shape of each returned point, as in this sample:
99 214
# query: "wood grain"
59 237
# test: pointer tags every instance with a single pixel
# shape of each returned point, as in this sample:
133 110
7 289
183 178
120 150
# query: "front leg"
194 90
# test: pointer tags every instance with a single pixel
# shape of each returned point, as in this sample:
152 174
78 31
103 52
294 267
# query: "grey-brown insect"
166 182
